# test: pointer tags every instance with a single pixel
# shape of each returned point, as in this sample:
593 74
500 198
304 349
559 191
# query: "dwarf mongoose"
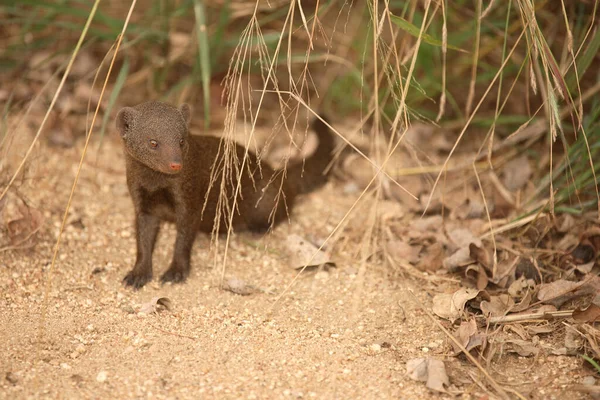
169 179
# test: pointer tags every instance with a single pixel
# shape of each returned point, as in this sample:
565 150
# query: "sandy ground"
337 334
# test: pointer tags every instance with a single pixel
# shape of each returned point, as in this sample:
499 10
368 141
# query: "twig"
533 316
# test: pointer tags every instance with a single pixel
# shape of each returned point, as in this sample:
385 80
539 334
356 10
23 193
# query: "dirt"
342 333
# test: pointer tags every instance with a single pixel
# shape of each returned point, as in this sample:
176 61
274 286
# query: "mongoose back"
169 179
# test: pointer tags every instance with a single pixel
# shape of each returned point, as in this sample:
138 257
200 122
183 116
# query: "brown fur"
170 182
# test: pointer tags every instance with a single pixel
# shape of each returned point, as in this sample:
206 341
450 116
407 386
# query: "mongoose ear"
186 111
125 120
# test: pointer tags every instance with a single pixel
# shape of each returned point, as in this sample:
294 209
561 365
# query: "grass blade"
203 56
414 31
123 73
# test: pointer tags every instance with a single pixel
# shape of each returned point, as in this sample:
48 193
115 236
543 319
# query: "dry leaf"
403 251
517 173
468 336
463 238
505 272
569 241
519 330
301 252
21 220
459 259
586 268
428 370
519 288
524 304
565 223
155 305
240 287
523 348
590 314
573 341
477 275
480 255
561 291
471 208
432 259
540 329
427 224
411 186
497 306
450 306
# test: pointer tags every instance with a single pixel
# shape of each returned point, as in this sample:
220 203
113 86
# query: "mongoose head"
156 134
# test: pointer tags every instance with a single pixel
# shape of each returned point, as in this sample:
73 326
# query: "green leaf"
414 31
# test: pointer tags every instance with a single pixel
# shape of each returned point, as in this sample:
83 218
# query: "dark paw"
175 275
136 279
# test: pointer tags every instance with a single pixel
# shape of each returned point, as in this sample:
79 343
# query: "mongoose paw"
175 275
136 279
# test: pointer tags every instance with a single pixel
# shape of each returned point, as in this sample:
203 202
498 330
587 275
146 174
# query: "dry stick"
513 225
462 133
87 141
60 86
458 344
532 316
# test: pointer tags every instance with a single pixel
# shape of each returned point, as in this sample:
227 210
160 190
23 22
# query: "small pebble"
589 381
101 377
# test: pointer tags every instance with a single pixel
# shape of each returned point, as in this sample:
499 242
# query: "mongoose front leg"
146 230
180 266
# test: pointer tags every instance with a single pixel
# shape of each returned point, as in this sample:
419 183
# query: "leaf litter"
304 255
520 291
429 370
239 286
155 305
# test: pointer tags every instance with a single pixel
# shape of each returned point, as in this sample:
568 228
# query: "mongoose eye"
154 144
181 142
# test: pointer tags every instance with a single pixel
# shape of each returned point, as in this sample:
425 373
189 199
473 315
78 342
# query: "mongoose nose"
175 166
